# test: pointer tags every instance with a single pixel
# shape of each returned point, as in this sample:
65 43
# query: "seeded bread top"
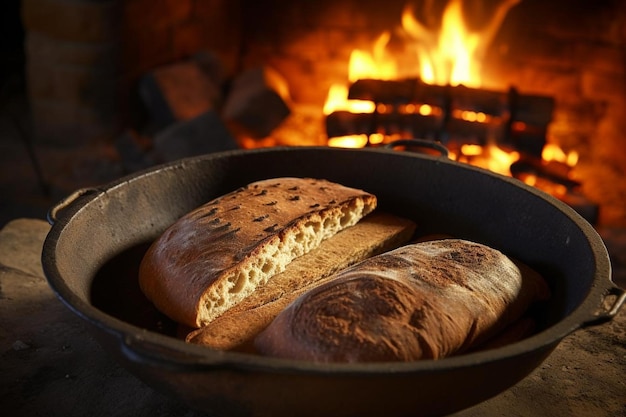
256 229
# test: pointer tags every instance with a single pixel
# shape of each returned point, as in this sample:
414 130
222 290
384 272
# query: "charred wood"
530 109
553 171
344 123
457 114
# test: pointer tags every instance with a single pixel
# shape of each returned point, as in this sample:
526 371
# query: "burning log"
531 109
552 177
447 98
553 171
344 123
447 113
409 90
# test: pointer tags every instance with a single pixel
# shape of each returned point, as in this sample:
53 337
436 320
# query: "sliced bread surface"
236 328
218 254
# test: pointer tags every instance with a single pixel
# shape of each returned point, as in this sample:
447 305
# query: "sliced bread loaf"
218 254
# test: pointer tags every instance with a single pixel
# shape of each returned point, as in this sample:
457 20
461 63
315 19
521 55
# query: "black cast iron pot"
98 237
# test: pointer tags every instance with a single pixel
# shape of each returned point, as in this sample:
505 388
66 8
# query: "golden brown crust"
192 269
423 301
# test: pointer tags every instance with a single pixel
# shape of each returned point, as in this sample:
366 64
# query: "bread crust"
235 329
428 300
214 256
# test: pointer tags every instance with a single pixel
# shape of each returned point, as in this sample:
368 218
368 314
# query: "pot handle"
612 301
423 143
53 213
143 352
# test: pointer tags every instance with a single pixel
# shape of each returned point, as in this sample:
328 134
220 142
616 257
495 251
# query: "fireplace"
571 53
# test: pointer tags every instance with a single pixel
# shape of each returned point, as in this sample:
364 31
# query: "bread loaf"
375 234
427 300
216 255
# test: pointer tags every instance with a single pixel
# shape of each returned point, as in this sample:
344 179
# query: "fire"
552 152
363 64
337 100
378 64
446 57
471 116
452 55
558 161
351 141
490 157
449 55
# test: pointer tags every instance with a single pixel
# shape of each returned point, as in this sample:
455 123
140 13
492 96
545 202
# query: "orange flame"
552 152
451 55
337 99
454 54
378 64
350 141
490 157
446 57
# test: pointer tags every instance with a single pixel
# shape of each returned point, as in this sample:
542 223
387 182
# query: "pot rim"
152 348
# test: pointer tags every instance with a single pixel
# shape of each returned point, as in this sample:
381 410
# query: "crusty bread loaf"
375 234
216 255
427 300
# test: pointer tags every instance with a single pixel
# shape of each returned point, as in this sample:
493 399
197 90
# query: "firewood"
344 123
552 171
206 133
258 102
529 109
178 92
